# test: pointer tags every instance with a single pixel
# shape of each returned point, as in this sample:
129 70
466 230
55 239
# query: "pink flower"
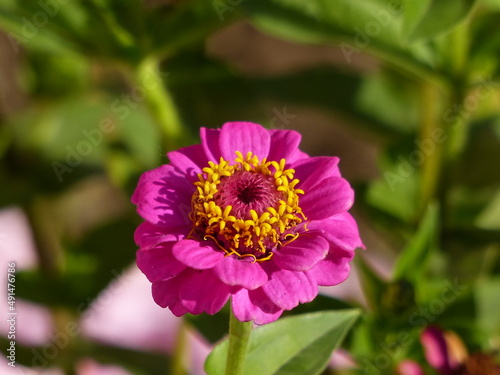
245 215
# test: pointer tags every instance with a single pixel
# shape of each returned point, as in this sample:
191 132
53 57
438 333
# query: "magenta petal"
436 349
166 292
302 254
190 160
165 201
284 145
334 269
240 272
197 255
254 306
340 230
334 195
244 137
210 143
204 292
154 174
313 171
148 235
178 308
288 288
158 263
408 367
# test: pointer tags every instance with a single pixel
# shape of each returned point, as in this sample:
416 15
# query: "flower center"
248 208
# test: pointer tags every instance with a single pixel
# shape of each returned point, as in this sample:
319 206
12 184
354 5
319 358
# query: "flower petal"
332 196
148 235
334 269
240 272
284 144
408 367
254 305
210 143
165 201
288 288
190 160
166 292
197 255
158 263
313 171
154 174
244 137
340 230
436 349
302 254
202 291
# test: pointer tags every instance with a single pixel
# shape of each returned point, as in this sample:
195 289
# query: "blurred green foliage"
111 85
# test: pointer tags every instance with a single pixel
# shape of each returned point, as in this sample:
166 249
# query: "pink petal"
196 254
166 292
288 288
190 160
244 137
302 254
284 144
334 269
178 308
158 263
165 201
332 196
204 292
436 350
254 306
210 143
408 367
244 273
340 230
312 171
148 235
154 174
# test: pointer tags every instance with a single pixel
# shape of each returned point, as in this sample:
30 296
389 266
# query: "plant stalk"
160 102
239 335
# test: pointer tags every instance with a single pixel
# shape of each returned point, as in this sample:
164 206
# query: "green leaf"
187 24
412 260
373 285
425 19
396 192
488 305
295 345
396 95
370 26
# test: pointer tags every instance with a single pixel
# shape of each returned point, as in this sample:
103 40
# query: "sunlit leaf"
295 345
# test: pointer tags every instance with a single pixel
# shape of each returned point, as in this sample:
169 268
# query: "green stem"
177 365
239 335
160 101
429 127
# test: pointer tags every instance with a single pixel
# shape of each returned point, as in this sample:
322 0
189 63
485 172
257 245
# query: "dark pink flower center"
246 191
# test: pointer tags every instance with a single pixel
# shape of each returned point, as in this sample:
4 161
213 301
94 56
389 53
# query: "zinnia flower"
245 215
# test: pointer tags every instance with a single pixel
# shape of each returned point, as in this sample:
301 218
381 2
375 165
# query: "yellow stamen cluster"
255 236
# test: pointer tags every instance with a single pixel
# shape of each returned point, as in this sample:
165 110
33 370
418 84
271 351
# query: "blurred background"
95 92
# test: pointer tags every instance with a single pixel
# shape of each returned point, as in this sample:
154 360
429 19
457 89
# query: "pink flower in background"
446 353
245 215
